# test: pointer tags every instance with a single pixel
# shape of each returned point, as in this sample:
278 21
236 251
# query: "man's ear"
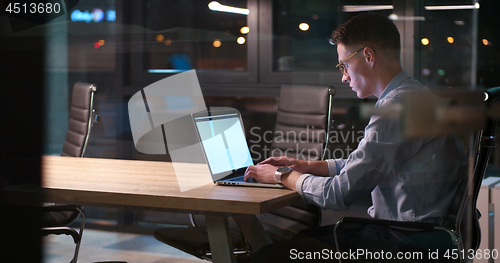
369 54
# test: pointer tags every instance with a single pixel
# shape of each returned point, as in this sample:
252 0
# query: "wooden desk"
153 185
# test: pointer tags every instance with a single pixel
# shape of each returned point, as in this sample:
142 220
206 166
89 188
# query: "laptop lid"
223 141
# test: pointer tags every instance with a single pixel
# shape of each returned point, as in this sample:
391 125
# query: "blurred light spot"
304 26
96 45
245 30
485 41
395 17
459 23
168 42
241 40
101 42
441 72
426 71
160 38
111 15
98 15
315 17
450 40
425 41
217 43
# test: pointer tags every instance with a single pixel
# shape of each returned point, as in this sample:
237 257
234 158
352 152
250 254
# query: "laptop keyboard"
241 179
236 179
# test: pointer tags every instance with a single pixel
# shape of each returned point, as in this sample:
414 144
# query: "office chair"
303 122
81 116
57 218
302 130
301 110
464 232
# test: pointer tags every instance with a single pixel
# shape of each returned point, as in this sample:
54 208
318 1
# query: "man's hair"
368 29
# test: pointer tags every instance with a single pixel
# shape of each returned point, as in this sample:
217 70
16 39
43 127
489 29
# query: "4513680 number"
33 8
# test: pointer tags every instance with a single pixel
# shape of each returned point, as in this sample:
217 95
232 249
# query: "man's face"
357 71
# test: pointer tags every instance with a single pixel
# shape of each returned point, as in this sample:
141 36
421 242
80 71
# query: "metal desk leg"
253 231
220 239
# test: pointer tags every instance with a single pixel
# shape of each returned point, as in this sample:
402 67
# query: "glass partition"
91 36
196 35
300 30
218 39
241 60
446 44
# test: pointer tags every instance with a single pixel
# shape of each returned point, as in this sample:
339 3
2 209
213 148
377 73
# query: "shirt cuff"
332 167
298 184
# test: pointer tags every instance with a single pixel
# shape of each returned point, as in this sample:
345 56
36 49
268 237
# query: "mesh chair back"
80 119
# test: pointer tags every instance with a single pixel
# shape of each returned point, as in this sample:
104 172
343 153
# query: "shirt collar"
395 82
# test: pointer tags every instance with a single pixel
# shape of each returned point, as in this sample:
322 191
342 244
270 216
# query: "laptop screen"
224 143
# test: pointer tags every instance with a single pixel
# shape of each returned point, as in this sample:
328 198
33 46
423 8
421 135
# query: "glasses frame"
342 67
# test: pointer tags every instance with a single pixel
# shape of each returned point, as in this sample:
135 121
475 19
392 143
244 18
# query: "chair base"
194 241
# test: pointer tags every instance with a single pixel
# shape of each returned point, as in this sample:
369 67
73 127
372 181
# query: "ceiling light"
452 7
361 8
216 6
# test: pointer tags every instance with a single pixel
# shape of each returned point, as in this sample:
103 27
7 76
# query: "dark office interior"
127 45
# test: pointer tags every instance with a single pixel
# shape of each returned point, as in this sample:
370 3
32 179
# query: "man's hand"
263 173
295 164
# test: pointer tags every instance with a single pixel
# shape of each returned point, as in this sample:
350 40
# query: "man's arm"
290 180
319 168
264 172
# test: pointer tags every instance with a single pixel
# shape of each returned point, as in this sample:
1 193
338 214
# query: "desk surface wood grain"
150 185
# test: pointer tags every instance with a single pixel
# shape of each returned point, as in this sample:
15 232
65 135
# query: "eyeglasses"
343 67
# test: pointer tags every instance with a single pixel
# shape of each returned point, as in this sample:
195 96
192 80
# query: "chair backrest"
80 119
467 223
302 128
303 122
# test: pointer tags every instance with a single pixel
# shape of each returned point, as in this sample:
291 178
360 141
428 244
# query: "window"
201 35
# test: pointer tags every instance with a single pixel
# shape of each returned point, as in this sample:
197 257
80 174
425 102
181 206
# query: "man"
409 180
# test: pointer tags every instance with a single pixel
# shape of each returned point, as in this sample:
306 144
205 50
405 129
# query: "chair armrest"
62 231
61 208
408 228
61 215
406 224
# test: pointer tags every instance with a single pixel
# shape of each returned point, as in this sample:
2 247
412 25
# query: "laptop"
224 146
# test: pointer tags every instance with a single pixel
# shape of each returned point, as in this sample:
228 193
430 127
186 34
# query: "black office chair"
463 233
303 124
81 118
57 218
300 109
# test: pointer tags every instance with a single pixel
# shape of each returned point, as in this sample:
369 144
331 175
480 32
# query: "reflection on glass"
301 29
91 36
195 35
445 51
